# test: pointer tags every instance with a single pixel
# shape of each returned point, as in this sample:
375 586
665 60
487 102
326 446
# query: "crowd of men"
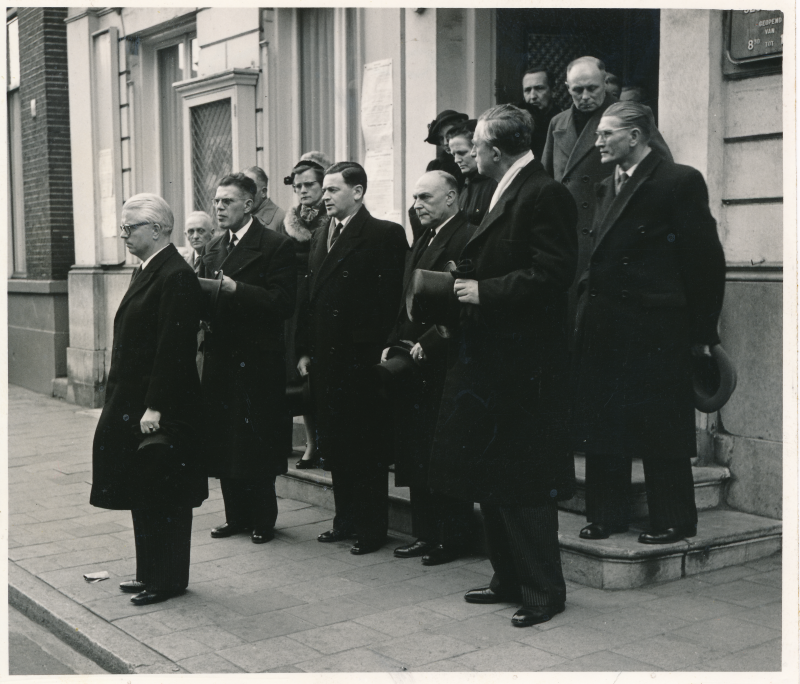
586 274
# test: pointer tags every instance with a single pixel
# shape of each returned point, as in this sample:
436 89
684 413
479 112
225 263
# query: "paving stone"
725 575
257 628
510 657
767 616
209 663
333 610
455 579
322 588
692 607
286 505
763 658
422 648
339 637
573 641
183 615
481 631
454 606
300 551
744 593
668 651
285 669
406 620
214 637
639 622
261 602
101 528
774 578
608 599
356 660
773 562
143 627
602 661
393 596
37 550
177 646
728 633
269 653
301 516
40 564
385 573
116 607
571 616
449 665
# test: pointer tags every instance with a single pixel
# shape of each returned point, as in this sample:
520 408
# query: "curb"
90 635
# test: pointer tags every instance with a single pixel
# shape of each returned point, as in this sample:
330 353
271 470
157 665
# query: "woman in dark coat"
147 447
300 224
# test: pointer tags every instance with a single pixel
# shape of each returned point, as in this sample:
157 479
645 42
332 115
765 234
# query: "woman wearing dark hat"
300 224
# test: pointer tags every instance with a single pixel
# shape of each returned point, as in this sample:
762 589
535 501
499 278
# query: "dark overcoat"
573 160
350 304
501 436
654 286
153 366
415 413
244 371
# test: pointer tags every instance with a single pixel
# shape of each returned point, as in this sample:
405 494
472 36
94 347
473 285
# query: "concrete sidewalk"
295 605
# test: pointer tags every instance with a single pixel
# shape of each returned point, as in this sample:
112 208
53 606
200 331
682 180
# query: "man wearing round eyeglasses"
647 303
570 155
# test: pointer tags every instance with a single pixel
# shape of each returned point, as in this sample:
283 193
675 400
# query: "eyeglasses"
603 135
126 228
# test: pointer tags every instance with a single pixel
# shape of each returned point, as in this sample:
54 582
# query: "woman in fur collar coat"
300 224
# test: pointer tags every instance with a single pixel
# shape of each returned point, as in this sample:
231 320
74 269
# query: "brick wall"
46 163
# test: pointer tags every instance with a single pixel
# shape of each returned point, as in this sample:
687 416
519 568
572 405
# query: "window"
212 151
17 263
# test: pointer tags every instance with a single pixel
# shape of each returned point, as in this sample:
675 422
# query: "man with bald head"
440 523
570 155
264 209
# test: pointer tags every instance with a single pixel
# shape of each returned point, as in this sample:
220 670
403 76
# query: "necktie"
336 232
621 180
197 261
232 243
136 272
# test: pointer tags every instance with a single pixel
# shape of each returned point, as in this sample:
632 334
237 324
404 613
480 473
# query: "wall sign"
755 35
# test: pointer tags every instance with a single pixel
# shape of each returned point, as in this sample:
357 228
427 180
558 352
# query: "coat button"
585 205
625 294
345 274
625 261
331 350
336 312
586 179
592 293
585 231
641 229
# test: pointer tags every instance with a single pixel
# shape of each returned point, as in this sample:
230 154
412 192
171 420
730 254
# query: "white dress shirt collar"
509 176
240 233
344 223
150 258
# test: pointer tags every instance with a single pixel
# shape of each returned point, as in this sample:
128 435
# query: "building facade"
168 100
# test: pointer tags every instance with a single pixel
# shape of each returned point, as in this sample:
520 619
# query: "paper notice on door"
377 110
108 208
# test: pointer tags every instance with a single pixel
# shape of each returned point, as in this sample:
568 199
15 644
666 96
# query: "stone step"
709 488
724 537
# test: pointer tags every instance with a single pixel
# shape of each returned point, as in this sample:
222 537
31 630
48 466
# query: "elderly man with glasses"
147 452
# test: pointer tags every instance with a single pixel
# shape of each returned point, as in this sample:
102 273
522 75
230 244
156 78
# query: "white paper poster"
377 127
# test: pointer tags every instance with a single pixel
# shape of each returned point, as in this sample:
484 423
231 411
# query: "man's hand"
467 291
699 350
228 285
418 353
385 354
303 366
150 421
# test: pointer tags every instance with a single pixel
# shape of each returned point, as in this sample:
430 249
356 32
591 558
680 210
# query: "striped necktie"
337 231
234 241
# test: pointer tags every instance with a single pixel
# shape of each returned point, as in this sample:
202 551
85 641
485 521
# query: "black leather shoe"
600 531
440 555
262 536
362 547
228 530
488 595
525 617
418 548
335 536
310 464
132 586
668 536
148 597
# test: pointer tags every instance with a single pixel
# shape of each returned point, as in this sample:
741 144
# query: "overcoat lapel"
341 250
584 144
440 242
146 276
217 259
615 207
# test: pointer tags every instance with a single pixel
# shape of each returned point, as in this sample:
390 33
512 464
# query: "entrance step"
724 537
709 488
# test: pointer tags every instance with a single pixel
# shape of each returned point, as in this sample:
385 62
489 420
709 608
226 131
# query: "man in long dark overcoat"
354 286
570 155
649 300
147 452
244 372
440 522
501 438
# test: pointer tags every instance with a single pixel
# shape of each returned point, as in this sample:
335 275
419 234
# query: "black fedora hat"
713 380
298 396
430 297
435 126
399 372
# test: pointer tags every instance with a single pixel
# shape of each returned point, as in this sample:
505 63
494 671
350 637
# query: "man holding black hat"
440 523
244 372
648 301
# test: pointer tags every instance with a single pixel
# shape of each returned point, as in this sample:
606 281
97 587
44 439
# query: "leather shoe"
439 555
362 547
335 536
262 536
418 548
228 530
309 464
600 531
132 586
487 595
668 536
525 617
148 597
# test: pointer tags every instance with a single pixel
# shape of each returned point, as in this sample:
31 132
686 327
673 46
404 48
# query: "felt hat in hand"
713 380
